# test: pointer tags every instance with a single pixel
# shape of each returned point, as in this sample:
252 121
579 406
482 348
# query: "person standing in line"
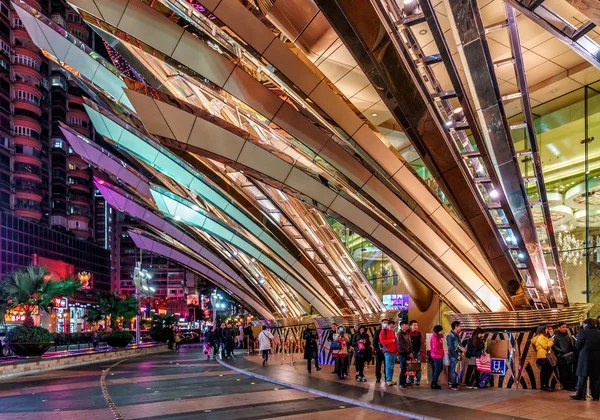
330 337
418 346
564 348
264 344
475 349
404 351
95 339
378 350
348 334
311 347
249 337
387 339
454 353
436 352
542 344
228 335
588 366
361 343
340 355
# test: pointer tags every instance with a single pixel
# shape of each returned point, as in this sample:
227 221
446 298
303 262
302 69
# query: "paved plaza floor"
185 385
164 386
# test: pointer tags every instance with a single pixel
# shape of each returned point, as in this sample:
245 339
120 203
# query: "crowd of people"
224 339
574 359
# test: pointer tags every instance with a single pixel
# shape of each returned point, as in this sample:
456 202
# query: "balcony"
32 214
82 200
27 158
28 106
34 195
29 51
27 171
27 141
23 121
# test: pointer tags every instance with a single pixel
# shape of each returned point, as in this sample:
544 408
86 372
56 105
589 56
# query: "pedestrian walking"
311 347
178 338
264 344
339 352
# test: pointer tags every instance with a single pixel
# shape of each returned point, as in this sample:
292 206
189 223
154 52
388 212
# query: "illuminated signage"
498 366
85 279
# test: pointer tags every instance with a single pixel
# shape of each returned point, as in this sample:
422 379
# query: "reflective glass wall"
568 135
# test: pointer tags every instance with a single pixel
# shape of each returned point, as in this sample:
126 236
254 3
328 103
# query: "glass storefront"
568 135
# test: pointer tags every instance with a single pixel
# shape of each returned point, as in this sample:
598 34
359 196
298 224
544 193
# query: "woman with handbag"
436 352
543 348
339 352
475 349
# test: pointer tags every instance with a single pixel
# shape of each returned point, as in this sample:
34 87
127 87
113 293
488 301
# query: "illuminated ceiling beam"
180 45
105 161
144 241
242 154
164 161
181 209
122 202
66 48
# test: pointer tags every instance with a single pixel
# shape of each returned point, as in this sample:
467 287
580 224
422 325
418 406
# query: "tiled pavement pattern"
486 404
163 386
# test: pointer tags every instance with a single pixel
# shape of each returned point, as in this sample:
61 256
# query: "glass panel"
592 285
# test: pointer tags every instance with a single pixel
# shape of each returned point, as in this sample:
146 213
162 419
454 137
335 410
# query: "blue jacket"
453 341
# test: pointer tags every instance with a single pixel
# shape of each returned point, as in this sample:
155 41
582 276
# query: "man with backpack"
387 339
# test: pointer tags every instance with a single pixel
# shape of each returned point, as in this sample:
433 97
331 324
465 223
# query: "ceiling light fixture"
177 218
423 32
494 194
554 91
374 114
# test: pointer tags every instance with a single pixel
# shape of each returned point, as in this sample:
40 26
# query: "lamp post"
140 279
215 299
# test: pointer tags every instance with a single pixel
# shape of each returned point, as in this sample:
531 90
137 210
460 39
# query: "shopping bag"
446 359
551 358
413 365
484 378
484 363
207 349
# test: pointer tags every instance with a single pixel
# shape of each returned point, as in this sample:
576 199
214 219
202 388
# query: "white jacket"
264 340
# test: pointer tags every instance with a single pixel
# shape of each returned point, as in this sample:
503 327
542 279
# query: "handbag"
569 357
551 358
413 366
446 359
484 363
335 345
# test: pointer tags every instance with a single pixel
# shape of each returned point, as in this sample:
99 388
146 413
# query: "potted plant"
29 290
27 341
116 308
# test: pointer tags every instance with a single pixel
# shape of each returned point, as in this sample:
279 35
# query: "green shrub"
118 334
24 334
160 335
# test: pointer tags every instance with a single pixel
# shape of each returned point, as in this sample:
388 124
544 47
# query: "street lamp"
215 300
140 279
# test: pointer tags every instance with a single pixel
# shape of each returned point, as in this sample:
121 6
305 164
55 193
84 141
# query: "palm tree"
114 306
29 290
163 321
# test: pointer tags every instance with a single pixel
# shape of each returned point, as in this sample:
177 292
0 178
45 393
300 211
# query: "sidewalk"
418 402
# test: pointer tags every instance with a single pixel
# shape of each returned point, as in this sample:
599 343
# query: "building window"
17 23
4 9
4 47
26 131
26 61
77 122
27 96
4 64
58 143
60 82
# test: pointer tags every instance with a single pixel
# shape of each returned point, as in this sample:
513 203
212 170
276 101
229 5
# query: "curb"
328 395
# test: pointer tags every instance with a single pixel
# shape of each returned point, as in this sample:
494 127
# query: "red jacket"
387 339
